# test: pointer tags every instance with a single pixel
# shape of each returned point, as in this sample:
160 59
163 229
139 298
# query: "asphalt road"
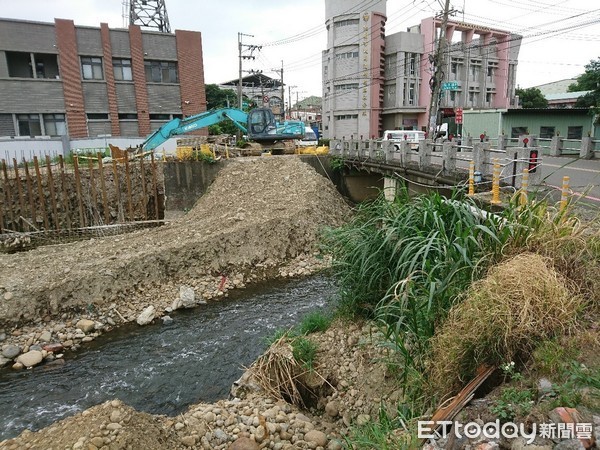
584 177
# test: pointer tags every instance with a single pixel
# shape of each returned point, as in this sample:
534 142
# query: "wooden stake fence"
66 198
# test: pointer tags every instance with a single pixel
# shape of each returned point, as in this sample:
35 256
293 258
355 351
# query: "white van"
309 139
412 136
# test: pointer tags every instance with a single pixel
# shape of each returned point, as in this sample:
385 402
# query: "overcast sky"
560 36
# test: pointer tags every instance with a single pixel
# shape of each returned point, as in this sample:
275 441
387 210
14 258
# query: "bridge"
450 163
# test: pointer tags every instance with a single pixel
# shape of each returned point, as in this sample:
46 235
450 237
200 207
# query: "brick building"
62 79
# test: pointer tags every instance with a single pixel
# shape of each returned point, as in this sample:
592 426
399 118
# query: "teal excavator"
259 125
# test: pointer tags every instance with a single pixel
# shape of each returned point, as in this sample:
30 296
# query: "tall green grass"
404 264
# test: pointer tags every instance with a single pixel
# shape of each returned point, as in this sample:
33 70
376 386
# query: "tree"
221 98
531 98
589 81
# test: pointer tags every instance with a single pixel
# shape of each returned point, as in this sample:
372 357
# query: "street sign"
458 116
450 86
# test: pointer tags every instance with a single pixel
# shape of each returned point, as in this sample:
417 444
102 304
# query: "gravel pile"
349 358
259 219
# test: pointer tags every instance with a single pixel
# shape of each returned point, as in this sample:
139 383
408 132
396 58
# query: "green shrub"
304 351
513 402
314 322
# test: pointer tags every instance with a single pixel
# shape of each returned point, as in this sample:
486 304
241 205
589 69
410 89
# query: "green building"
570 123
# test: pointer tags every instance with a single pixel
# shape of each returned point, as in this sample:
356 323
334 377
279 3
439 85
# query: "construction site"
177 272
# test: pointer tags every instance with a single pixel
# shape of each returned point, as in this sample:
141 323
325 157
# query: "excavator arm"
181 126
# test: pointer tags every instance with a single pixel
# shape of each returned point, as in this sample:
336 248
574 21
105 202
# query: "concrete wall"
187 181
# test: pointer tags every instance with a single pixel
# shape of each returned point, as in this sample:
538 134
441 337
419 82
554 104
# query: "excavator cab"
262 127
261 122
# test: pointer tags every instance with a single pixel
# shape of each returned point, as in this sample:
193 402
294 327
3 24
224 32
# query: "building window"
29 125
574 132
122 69
91 68
490 71
128 116
515 132
346 117
452 96
475 72
160 117
547 132
347 55
161 72
345 23
97 116
489 96
454 68
412 63
20 65
473 97
411 94
345 87
55 124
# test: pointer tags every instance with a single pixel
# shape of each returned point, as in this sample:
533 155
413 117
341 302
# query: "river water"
161 369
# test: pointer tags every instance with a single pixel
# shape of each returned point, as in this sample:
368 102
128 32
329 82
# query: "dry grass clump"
501 318
280 375
572 245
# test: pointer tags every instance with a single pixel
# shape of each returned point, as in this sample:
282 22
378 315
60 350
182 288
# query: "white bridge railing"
448 158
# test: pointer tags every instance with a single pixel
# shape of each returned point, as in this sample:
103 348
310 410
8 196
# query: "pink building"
373 82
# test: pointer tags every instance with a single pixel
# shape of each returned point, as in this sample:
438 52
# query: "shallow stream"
161 369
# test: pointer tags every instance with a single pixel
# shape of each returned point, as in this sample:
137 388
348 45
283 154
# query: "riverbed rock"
316 436
243 443
187 296
146 316
11 351
332 408
177 303
31 358
45 336
55 347
4 361
86 325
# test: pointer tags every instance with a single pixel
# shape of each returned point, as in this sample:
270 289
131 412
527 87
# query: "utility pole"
280 72
438 74
290 99
251 49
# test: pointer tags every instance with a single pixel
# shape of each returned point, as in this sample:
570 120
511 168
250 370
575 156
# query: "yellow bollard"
226 152
524 187
564 197
496 182
471 178
164 154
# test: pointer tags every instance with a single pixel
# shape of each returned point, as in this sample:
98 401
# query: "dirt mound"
109 425
258 214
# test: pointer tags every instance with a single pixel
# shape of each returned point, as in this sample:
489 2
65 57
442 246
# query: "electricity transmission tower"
147 13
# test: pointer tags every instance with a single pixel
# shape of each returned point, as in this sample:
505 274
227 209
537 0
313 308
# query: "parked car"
397 136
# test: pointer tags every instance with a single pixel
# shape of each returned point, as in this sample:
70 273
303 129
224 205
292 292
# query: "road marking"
579 194
571 168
